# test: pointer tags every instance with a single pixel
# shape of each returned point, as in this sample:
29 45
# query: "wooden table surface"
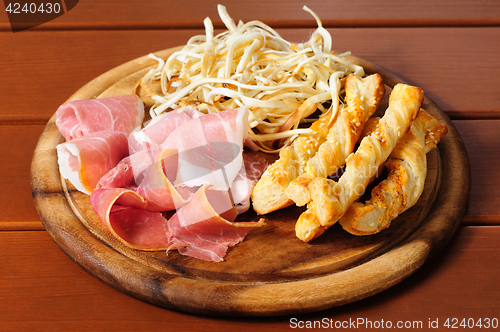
449 48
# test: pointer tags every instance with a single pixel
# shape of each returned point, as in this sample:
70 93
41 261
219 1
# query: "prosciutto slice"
156 187
200 149
241 188
210 148
185 162
83 161
81 117
123 212
204 228
157 131
144 148
130 170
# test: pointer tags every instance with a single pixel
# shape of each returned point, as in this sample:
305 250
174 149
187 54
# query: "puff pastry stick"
363 96
330 199
309 228
404 185
269 193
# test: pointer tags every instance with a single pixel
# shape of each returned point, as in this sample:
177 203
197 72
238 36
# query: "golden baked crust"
330 199
363 96
308 226
403 187
269 193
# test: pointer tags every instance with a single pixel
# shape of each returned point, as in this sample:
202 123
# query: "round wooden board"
271 272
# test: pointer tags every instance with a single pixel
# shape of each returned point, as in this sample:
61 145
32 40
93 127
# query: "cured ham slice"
120 176
210 148
130 170
184 161
83 161
157 131
204 228
153 179
156 187
123 212
241 188
144 147
81 117
147 173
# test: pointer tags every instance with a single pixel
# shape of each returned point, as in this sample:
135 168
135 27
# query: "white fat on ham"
84 160
241 188
68 156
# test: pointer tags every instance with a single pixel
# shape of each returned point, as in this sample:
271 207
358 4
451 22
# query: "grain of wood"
426 57
170 14
42 289
482 141
16 203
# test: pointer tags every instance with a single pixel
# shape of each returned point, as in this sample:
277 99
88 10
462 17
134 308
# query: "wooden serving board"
271 272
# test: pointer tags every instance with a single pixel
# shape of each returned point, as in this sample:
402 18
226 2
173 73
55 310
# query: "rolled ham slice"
128 173
157 189
144 148
185 161
158 129
210 148
204 228
123 212
83 161
190 164
241 188
81 117
148 173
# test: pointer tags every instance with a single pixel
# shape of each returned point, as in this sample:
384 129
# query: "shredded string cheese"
251 65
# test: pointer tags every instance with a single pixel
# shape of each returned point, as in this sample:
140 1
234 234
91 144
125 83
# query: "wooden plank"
41 289
157 14
21 226
65 62
482 142
17 210
426 57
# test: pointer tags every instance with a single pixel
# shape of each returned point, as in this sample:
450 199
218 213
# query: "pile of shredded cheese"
251 65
